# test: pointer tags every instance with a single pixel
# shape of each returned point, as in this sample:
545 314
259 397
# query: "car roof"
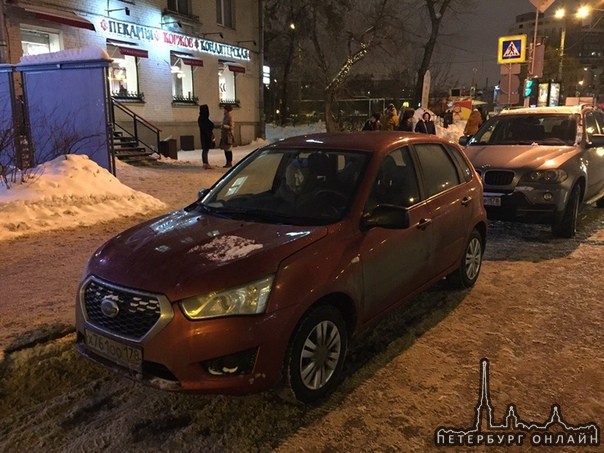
369 141
563 109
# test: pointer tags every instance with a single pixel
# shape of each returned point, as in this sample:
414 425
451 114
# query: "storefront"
164 66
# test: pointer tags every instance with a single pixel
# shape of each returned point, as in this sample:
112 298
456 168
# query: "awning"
133 51
236 68
192 62
58 16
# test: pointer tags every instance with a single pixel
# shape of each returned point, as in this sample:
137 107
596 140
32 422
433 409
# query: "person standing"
473 124
425 125
206 133
390 122
406 122
373 123
227 137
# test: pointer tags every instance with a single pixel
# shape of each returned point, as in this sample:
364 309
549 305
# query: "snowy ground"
536 313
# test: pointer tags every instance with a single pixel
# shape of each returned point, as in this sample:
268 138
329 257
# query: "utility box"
187 142
167 148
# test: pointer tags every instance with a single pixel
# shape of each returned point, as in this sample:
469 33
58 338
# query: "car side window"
396 182
439 171
591 125
466 172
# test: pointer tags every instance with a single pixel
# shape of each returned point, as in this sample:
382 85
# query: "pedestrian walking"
206 133
426 125
227 137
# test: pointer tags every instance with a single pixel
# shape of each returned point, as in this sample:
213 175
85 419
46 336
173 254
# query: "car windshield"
291 186
527 129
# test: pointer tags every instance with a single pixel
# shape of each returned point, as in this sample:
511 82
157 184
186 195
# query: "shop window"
182 68
225 13
180 6
227 83
123 72
35 41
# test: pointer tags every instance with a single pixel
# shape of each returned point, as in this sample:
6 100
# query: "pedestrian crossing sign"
512 49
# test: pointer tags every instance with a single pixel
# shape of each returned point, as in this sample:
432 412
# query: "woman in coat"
473 124
206 133
425 125
227 137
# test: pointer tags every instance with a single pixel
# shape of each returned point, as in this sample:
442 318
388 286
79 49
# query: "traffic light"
529 87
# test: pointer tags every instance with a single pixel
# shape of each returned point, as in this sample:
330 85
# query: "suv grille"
137 312
498 177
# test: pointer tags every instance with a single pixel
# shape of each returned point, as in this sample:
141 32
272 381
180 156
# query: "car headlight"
249 299
546 176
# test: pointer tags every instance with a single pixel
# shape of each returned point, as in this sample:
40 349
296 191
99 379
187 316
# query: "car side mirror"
463 140
202 193
386 216
597 141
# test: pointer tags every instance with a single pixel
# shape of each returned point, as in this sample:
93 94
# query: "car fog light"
547 196
235 364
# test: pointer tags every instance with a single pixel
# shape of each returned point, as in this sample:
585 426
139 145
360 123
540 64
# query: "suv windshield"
292 186
546 129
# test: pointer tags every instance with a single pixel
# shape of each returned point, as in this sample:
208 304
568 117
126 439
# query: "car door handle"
423 223
466 201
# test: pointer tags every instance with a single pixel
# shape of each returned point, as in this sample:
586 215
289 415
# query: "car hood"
519 156
184 253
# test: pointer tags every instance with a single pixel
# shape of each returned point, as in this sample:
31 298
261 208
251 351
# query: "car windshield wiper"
254 214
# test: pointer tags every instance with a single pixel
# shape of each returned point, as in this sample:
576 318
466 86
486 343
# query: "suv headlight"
546 176
249 299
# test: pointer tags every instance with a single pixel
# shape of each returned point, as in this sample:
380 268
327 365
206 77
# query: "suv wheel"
567 226
467 273
316 354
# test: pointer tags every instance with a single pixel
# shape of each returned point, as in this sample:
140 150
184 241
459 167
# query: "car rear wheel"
316 354
567 226
467 273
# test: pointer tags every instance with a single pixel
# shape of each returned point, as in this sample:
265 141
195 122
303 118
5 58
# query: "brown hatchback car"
304 243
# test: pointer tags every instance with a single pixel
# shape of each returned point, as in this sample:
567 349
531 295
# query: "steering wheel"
329 202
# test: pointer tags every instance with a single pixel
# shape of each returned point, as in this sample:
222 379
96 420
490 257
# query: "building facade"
168 56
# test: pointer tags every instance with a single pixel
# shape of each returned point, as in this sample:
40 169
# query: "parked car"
302 244
538 165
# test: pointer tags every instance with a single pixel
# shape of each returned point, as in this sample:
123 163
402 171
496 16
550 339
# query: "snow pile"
226 248
70 190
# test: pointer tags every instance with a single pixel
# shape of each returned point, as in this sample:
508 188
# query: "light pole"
560 13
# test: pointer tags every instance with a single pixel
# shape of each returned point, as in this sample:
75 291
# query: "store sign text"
143 33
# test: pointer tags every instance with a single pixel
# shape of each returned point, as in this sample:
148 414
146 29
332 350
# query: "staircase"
133 137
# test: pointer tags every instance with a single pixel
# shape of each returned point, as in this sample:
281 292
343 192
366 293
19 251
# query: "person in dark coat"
206 133
406 122
425 125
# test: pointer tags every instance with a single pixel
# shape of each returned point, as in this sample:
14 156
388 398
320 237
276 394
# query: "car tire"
466 274
315 358
600 203
567 226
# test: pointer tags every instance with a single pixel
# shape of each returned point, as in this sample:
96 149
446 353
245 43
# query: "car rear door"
594 124
448 198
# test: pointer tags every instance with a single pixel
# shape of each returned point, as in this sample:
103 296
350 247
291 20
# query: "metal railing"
132 125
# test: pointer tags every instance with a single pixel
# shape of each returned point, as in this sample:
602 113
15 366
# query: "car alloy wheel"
467 273
316 355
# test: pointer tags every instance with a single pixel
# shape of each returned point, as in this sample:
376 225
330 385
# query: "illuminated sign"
512 49
155 35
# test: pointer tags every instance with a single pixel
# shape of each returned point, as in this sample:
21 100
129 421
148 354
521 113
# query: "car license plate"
492 201
122 354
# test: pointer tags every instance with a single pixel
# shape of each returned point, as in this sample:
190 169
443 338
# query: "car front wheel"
567 226
316 354
467 273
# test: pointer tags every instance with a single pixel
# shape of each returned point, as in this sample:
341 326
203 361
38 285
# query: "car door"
394 261
594 124
447 200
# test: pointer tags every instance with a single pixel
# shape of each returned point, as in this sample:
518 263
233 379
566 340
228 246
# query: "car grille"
138 312
498 177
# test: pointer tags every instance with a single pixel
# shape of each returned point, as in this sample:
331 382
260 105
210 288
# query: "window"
180 6
35 42
123 72
181 68
443 173
396 182
227 75
225 13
